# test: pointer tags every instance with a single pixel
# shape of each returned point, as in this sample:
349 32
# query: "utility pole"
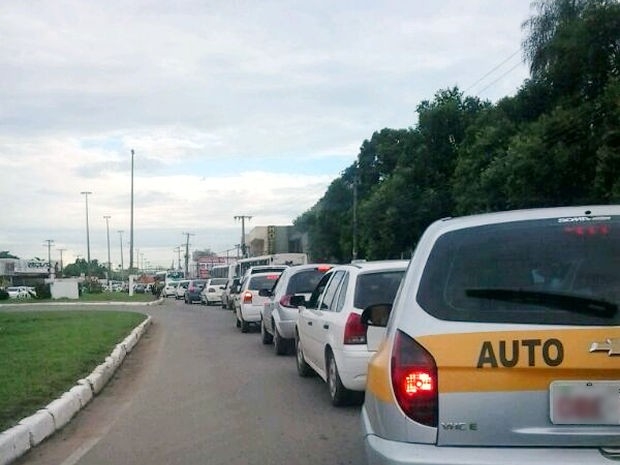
107 227
61 265
355 183
50 242
131 225
86 194
187 253
242 218
120 233
178 251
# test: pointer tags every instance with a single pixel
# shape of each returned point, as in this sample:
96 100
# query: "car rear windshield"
262 282
304 282
559 271
377 288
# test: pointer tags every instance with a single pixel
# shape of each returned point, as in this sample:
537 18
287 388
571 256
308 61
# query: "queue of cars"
499 338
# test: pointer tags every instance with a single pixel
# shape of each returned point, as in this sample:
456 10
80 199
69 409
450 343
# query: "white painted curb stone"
64 408
83 392
14 442
40 425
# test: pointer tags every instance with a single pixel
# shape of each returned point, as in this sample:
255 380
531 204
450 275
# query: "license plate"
585 402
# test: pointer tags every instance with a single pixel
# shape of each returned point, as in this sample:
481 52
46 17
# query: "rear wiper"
562 300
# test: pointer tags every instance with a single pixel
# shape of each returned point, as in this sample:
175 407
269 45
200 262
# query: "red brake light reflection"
323 268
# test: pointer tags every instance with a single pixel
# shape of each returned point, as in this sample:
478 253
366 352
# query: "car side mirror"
265 292
297 301
376 315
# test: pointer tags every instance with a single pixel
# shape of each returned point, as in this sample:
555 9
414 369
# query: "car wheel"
245 326
339 394
238 322
303 369
280 345
266 338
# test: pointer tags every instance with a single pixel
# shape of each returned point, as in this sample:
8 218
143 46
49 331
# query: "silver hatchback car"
502 344
280 312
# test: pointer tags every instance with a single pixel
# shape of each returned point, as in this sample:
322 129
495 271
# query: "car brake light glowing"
414 380
323 268
247 297
354 330
597 230
420 381
285 301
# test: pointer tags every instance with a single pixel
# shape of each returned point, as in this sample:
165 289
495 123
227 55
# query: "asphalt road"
198 391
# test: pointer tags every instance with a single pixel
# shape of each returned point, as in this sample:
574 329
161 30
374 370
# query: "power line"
495 68
499 78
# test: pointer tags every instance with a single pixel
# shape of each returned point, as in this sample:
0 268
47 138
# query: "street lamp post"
107 227
86 194
131 225
120 233
50 242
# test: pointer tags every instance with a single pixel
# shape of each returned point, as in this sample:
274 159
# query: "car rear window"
377 288
304 282
262 282
559 271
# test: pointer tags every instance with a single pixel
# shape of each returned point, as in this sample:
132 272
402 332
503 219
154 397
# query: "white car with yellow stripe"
503 344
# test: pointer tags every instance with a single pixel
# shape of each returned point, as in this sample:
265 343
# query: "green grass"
101 297
43 354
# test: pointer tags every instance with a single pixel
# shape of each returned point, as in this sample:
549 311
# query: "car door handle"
309 323
325 326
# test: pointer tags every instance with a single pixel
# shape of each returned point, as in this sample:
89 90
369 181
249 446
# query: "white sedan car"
249 304
212 292
330 337
18 292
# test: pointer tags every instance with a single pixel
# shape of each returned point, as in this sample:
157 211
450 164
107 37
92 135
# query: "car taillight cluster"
247 297
354 330
285 301
414 379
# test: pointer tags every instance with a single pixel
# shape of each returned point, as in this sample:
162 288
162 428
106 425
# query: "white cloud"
232 108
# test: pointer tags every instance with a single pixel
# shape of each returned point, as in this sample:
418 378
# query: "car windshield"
543 271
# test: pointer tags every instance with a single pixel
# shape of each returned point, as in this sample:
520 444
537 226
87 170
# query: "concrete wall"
64 288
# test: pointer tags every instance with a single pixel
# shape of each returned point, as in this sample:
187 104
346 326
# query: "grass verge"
45 353
100 297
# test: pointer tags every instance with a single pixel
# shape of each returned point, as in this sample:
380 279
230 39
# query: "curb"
32 430
91 304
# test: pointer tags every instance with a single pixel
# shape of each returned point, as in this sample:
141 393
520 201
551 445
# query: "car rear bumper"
286 328
352 363
381 451
251 313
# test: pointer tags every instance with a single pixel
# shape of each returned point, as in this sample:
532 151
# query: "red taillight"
354 330
285 301
323 268
414 379
247 297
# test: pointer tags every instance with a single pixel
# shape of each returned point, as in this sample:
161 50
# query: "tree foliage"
556 142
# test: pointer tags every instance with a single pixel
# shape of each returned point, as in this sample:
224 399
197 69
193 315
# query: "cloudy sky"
233 107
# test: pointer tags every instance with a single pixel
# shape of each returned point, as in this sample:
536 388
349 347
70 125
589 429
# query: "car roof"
375 265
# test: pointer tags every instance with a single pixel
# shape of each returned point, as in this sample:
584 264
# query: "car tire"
339 394
280 345
245 326
266 338
303 369
238 322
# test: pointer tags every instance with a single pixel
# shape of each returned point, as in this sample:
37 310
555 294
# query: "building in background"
266 240
21 272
